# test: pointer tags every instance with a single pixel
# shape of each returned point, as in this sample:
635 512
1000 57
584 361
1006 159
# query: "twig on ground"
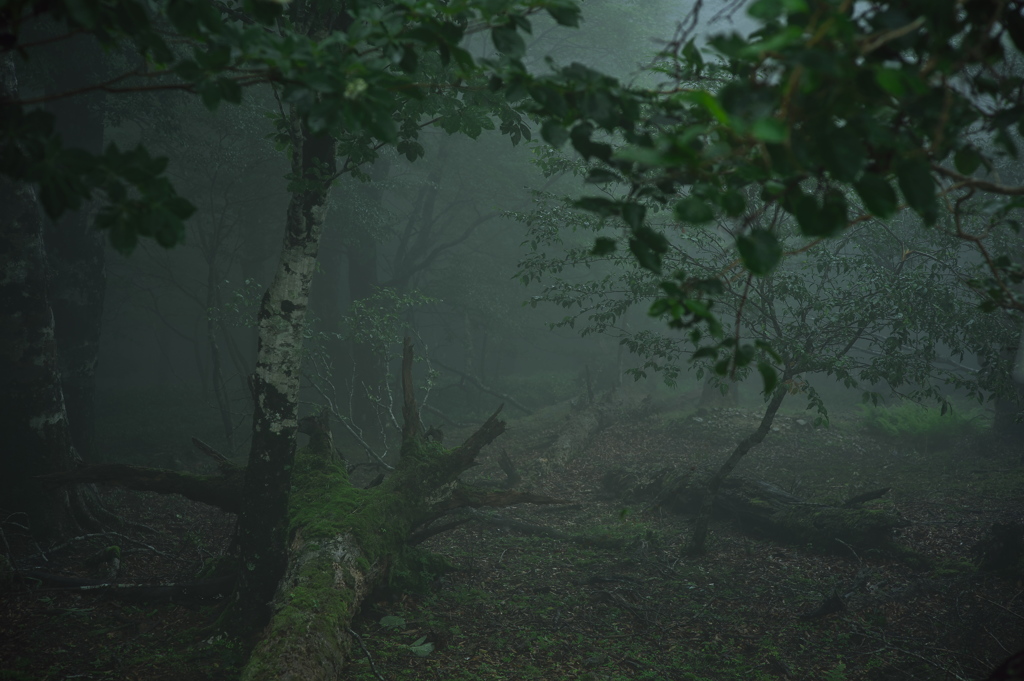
366 652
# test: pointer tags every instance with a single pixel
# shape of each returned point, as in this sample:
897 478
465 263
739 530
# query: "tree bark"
75 250
33 417
262 527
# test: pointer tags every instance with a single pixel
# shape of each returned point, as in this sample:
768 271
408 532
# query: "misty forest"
512 339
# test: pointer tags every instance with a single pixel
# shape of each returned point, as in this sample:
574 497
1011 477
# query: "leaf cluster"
368 73
830 114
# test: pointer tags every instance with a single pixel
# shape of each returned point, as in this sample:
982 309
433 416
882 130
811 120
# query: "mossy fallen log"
343 543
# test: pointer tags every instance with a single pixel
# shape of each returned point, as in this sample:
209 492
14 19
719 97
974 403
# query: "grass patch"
909 421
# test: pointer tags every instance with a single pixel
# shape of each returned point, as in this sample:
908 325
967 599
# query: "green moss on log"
344 542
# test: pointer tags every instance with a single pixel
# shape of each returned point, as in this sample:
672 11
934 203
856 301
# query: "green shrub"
911 421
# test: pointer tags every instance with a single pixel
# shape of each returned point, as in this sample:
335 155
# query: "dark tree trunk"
33 418
75 250
698 541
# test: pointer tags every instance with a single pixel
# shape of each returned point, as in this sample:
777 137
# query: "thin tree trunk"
698 542
220 389
368 368
263 522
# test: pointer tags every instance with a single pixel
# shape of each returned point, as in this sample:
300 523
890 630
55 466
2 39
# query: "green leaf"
215 59
693 210
568 15
707 101
189 70
693 56
769 377
1014 23
642 155
603 246
230 90
918 188
553 133
891 80
653 239
209 92
508 41
769 130
843 154
765 10
833 214
733 203
392 622
648 259
967 160
877 194
633 214
806 210
760 251
597 204
420 648
601 176
82 12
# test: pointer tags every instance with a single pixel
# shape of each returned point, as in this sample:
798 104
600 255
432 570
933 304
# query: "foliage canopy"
830 114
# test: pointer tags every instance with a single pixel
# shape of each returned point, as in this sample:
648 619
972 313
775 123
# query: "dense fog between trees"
512 340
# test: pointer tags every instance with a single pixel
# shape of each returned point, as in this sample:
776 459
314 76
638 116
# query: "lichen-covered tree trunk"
33 418
262 526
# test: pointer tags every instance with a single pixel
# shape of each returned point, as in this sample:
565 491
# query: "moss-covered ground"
516 607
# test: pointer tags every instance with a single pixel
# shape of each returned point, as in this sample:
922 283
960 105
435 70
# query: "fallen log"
344 542
223 490
762 509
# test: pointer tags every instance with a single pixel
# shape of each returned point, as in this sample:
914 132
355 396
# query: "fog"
703 469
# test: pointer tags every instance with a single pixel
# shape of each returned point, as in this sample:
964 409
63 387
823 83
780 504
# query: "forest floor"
518 607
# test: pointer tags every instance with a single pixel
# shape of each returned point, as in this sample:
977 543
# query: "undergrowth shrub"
911 421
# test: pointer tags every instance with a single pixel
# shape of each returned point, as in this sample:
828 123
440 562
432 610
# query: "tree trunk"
220 388
698 542
33 418
262 526
75 250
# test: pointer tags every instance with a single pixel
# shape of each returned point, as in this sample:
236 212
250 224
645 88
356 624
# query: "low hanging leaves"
760 251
